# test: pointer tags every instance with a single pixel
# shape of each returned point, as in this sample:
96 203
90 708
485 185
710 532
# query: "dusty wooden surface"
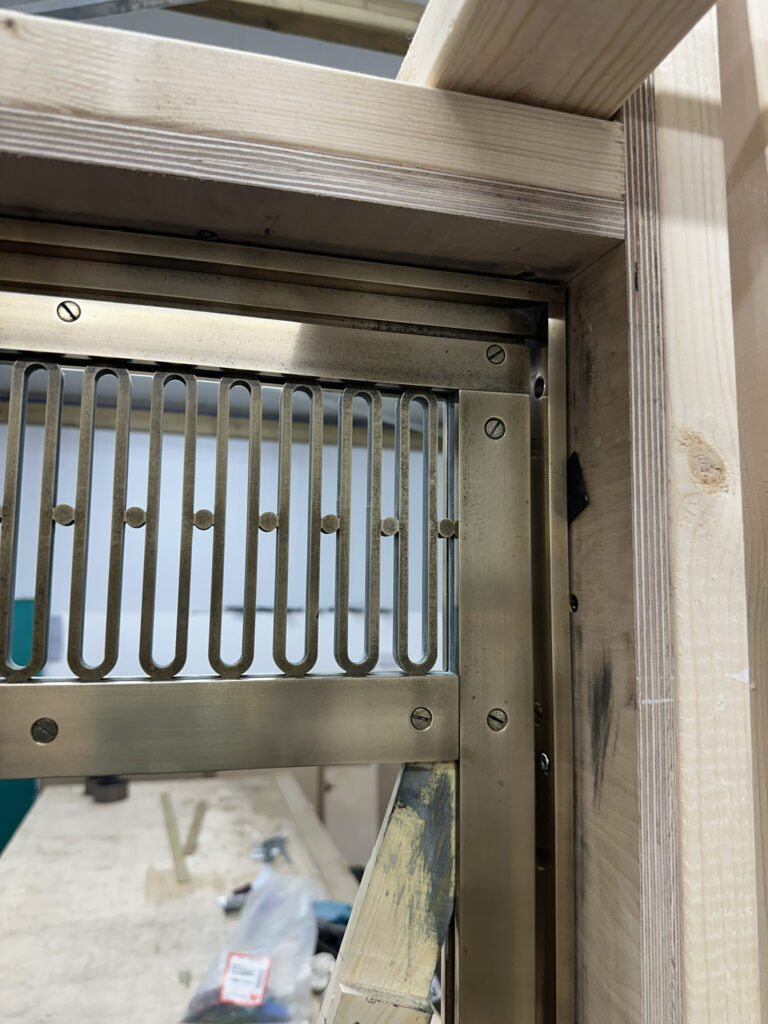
606 813
95 927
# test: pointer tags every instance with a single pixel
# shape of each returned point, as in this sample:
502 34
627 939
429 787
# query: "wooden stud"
101 74
710 663
662 701
585 57
743 36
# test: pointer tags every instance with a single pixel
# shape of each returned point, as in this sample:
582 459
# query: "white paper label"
245 979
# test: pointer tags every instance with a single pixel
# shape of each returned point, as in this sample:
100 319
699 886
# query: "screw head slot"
421 719
495 354
68 311
44 730
497 719
495 428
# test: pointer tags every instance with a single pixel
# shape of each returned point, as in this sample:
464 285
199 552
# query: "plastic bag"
262 972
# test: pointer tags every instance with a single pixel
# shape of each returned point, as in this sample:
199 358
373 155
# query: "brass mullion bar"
11 499
14 447
373 532
82 513
429 537
224 669
429 534
146 644
41 615
312 601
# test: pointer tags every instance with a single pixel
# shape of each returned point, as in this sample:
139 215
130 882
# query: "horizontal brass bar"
153 335
111 728
225 289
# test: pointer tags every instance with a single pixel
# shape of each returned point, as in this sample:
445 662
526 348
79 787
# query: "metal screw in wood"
495 428
545 763
68 311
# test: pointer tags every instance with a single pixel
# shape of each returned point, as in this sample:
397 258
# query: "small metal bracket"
578 499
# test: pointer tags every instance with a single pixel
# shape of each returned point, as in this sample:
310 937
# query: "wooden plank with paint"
403 908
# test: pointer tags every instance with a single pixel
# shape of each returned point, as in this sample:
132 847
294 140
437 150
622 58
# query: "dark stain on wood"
429 792
602 716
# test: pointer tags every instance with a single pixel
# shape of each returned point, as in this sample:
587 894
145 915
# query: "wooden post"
743 33
661 691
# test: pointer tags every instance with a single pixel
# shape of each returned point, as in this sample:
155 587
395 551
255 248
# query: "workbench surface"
96 929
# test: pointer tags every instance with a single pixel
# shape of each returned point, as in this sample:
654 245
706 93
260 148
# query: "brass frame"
515 783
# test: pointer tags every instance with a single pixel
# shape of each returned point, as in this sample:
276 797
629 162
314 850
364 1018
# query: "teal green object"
18 795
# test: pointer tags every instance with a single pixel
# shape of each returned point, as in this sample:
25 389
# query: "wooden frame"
499 187
666 894
670 892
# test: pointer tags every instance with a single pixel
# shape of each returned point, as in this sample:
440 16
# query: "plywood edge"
654 620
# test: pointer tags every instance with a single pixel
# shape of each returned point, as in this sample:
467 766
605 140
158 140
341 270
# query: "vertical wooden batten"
666 893
743 38
710 659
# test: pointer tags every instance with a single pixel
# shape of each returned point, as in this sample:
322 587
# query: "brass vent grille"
247 456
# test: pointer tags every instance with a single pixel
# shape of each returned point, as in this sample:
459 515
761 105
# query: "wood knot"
705 464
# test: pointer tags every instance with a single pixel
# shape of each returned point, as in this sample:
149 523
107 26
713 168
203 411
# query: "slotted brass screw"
495 428
421 719
44 730
497 719
68 311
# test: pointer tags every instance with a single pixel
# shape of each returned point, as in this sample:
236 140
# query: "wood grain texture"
654 627
104 74
447 236
585 57
743 38
608 910
403 909
710 663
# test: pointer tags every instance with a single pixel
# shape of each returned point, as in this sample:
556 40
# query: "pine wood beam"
743 35
585 57
93 73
